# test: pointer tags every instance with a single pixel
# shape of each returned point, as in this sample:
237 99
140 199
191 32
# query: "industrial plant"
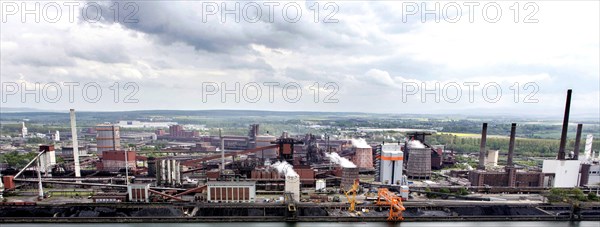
195 176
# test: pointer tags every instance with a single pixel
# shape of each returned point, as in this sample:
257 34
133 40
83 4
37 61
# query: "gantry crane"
394 201
353 191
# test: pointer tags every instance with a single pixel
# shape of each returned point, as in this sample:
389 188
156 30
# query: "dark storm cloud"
183 22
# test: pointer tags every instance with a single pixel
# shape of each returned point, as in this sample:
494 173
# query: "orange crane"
352 200
385 197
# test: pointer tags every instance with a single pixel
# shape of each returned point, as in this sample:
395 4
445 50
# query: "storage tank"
419 163
404 191
391 164
263 141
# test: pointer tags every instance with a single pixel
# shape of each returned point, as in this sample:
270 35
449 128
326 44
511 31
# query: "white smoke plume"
360 143
284 168
337 159
415 144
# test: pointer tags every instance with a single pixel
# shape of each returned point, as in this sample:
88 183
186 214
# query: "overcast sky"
373 56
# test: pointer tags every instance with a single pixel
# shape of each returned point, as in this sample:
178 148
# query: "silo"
320 185
263 141
107 138
349 174
419 164
292 185
391 164
151 166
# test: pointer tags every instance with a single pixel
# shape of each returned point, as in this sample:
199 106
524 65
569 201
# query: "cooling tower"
349 174
419 164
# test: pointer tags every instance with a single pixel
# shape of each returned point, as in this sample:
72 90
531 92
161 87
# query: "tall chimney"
577 142
75 143
511 145
565 126
222 150
481 165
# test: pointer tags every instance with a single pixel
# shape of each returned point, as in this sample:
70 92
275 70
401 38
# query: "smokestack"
565 126
481 165
75 143
511 145
222 150
577 142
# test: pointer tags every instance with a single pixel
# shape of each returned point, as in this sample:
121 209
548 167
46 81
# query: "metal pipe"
577 142
511 144
481 165
75 143
565 126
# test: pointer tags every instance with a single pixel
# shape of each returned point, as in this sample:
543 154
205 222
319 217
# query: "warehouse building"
231 191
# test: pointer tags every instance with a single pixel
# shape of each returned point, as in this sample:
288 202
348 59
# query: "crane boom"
385 197
30 162
353 191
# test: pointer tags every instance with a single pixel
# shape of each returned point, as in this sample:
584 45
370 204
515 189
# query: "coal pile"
27 212
158 212
496 211
313 211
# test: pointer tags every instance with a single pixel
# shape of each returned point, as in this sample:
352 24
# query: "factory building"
511 176
138 192
263 141
593 177
108 138
391 164
561 173
115 160
203 147
47 160
231 191
114 197
437 157
564 172
67 152
177 131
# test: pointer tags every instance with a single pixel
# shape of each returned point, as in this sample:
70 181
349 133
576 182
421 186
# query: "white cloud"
370 53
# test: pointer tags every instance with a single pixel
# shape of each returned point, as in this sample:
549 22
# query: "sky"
446 57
